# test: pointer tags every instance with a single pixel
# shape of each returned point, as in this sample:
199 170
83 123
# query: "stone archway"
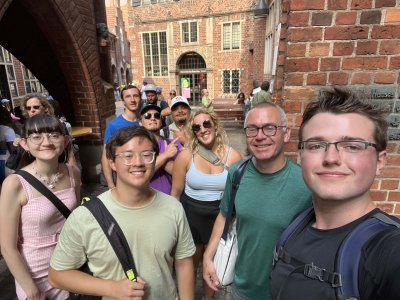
57 41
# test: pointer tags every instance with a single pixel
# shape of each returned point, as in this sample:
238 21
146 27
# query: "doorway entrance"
192 77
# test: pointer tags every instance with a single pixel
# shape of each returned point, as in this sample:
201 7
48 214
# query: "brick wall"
352 43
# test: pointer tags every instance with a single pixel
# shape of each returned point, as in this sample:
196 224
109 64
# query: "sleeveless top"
206 187
38 233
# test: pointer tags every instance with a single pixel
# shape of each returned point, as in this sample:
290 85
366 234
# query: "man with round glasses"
150 118
343 141
153 223
270 194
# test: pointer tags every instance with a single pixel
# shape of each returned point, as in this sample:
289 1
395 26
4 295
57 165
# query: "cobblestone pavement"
7 287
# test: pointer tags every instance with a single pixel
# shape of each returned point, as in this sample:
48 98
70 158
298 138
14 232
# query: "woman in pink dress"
30 224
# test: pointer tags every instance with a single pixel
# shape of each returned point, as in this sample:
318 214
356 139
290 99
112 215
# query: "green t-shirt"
157 234
206 102
265 204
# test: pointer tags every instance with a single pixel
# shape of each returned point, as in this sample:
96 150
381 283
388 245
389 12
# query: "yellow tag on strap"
131 275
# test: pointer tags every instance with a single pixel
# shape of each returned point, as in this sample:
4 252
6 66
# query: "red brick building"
219 45
121 69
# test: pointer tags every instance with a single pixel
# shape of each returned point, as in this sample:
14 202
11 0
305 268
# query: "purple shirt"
161 180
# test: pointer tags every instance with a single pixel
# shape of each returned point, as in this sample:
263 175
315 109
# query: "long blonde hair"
221 139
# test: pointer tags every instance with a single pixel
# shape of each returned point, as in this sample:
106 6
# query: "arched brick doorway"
191 71
57 41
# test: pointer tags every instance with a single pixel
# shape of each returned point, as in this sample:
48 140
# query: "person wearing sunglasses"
37 104
150 118
198 183
153 223
30 223
155 98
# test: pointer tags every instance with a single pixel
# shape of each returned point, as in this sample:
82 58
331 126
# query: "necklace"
51 181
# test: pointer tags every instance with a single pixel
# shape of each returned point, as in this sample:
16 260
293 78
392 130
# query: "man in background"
130 95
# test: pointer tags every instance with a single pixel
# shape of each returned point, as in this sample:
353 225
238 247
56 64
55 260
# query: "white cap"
4 100
179 99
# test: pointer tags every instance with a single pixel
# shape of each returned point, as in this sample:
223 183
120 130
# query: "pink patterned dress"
39 229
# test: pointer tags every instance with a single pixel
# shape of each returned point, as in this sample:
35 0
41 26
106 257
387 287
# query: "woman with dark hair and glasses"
198 183
30 224
37 104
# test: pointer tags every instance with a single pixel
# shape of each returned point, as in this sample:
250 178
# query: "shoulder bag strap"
115 236
209 156
237 176
33 181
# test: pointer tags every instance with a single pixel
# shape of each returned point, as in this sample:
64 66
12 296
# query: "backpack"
344 279
165 130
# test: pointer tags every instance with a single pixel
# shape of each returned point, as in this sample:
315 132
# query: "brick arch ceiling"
53 39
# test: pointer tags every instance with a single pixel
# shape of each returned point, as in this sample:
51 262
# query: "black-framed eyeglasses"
148 116
36 107
128 157
268 130
38 137
206 124
341 146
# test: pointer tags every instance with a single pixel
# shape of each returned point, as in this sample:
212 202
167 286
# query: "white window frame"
189 27
151 61
229 41
232 90
9 65
31 81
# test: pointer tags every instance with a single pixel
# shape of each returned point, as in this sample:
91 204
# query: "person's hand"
180 134
33 293
16 142
126 289
172 148
209 275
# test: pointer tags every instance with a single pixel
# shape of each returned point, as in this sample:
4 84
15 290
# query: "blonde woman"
198 183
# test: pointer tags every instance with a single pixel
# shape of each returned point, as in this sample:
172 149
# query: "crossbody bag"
107 223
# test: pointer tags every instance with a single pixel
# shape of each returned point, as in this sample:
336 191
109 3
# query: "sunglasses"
206 124
36 107
173 94
148 116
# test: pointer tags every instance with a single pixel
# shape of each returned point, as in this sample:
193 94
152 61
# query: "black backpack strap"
237 176
165 130
115 236
348 256
299 222
41 188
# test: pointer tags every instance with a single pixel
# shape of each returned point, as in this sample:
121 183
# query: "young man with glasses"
342 146
150 118
153 223
270 194
130 95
